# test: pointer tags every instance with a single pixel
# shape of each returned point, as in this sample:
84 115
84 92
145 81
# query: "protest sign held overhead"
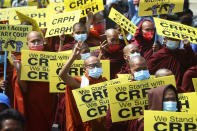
86 6
4 16
92 101
187 102
62 22
56 1
13 37
37 2
121 20
169 121
35 64
40 15
156 7
54 7
194 80
127 100
175 30
76 69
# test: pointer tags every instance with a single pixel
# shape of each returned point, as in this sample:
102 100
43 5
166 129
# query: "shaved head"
129 47
91 59
33 33
136 60
163 72
111 32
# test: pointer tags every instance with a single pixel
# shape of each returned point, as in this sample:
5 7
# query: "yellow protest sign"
129 77
5 3
86 6
194 80
40 15
76 69
36 3
24 18
13 37
56 1
175 30
35 64
92 101
54 7
62 22
92 49
156 7
4 16
169 121
121 20
127 100
187 102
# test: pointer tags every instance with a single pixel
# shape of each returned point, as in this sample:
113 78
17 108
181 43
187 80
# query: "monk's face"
137 65
130 51
79 30
99 24
91 63
11 125
113 42
35 41
169 96
171 43
148 30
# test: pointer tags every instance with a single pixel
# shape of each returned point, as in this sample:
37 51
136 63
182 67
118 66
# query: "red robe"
177 61
73 118
187 83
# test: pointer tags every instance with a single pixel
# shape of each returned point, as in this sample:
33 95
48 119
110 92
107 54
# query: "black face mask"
187 21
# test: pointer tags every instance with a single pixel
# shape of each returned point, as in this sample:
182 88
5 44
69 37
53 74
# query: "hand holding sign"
186 43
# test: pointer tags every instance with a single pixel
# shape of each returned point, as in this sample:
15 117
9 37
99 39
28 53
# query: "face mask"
1 58
80 37
120 37
172 45
95 73
113 48
85 56
100 28
135 54
37 47
148 35
141 75
170 106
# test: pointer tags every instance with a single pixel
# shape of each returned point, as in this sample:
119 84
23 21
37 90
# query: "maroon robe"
187 83
177 61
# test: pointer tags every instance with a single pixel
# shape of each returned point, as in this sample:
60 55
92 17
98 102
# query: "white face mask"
85 56
134 54
172 45
95 73
170 106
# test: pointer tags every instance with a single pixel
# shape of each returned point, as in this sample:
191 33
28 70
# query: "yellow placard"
54 7
129 77
56 1
175 30
86 6
62 22
187 102
40 15
121 20
169 121
35 64
5 3
92 101
194 80
156 7
76 69
91 49
36 3
127 100
13 37
24 18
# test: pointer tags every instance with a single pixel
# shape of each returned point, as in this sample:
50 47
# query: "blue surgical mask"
80 37
95 73
1 58
85 56
170 106
172 45
141 75
120 37
135 54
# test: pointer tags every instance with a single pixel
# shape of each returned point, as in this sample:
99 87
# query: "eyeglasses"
98 65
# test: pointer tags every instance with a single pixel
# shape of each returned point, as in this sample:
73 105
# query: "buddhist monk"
38 103
112 50
163 72
172 58
93 71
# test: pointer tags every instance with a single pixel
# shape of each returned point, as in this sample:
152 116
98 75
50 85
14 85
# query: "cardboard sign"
76 69
175 30
187 102
156 7
86 6
4 14
62 22
127 100
40 15
169 121
92 49
35 64
195 83
121 20
129 77
13 37
24 18
36 3
92 101
5 3
54 7
56 1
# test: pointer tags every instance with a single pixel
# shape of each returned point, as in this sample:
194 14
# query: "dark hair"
11 114
185 11
79 24
171 87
